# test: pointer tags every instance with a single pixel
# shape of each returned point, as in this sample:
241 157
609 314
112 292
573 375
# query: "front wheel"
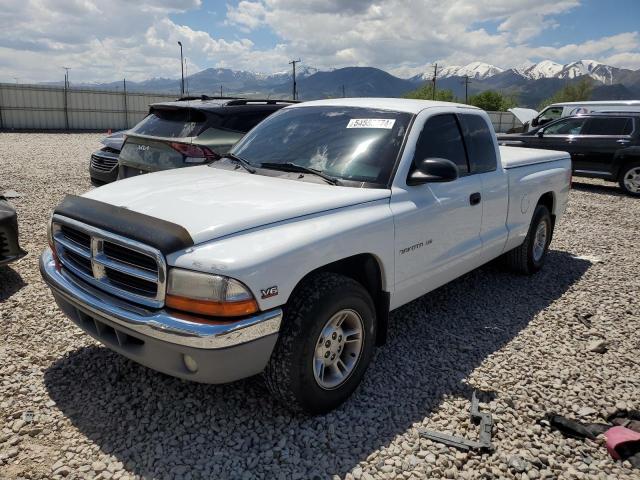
630 179
529 257
325 345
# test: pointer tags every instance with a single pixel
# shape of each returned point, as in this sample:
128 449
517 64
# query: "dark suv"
190 132
602 145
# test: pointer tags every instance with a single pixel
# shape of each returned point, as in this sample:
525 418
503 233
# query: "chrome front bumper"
224 351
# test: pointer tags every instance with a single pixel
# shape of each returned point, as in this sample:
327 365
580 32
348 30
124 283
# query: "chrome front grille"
120 266
103 164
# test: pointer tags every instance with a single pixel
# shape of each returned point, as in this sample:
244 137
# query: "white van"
559 110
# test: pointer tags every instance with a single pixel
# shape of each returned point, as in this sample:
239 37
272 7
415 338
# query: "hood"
210 202
524 114
115 141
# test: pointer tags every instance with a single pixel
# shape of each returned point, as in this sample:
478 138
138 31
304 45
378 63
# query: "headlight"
207 294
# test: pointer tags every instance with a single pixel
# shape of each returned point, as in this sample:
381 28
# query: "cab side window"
441 137
482 150
552 113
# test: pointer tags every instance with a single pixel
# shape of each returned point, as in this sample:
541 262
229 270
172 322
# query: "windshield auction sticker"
386 123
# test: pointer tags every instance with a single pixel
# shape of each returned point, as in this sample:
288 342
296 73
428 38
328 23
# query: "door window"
569 126
608 126
441 138
482 150
552 113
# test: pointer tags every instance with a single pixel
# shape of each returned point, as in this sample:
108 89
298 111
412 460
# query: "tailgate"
148 155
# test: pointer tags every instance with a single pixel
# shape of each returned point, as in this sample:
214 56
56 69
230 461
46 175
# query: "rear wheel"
630 179
529 257
325 345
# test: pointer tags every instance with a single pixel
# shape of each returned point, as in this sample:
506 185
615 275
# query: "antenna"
466 83
295 85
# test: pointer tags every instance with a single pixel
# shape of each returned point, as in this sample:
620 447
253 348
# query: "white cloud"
106 40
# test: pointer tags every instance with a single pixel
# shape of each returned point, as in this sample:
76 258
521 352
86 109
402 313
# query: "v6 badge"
269 292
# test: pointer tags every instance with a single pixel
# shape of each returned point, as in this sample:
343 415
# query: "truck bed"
514 157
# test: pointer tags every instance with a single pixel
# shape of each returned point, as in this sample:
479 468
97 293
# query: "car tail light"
194 153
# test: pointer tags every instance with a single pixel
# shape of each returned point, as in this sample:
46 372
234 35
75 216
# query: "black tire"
522 258
289 374
624 171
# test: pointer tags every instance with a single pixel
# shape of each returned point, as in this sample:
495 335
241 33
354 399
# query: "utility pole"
66 100
221 90
181 70
295 86
435 77
126 114
343 94
185 84
66 76
466 83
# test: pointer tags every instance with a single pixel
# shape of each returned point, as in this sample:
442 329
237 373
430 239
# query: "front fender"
281 254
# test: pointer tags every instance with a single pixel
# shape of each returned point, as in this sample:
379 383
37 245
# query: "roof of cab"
395 104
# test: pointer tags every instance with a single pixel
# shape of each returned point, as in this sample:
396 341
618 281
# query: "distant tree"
425 92
571 92
493 101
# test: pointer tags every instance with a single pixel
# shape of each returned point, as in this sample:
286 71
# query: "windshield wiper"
294 167
247 166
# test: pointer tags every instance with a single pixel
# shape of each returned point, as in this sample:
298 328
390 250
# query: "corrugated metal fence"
41 107
504 121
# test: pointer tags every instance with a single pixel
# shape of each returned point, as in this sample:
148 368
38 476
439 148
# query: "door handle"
622 141
474 198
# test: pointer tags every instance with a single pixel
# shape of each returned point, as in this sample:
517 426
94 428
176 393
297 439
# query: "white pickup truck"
287 256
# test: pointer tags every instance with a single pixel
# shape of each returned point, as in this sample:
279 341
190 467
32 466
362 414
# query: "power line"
295 85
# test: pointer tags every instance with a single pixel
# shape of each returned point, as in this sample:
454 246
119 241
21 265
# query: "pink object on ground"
618 436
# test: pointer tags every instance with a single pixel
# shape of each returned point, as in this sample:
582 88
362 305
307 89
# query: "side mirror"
541 133
534 122
432 170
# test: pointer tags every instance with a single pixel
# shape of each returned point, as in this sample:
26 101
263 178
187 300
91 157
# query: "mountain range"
530 83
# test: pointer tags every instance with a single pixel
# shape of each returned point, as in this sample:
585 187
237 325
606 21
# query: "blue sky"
108 40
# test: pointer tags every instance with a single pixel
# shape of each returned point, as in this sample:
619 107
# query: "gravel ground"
71 408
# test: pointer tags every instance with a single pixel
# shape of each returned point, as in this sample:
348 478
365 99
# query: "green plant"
425 92
571 92
493 101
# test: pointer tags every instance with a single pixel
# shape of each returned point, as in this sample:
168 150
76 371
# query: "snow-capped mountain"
533 71
596 70
477 70
544 69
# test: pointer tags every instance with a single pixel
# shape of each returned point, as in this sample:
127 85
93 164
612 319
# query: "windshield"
351 143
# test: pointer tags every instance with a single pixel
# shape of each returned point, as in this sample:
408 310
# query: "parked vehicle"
287 256
10 250
190 132
601 145
567 109
103 165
